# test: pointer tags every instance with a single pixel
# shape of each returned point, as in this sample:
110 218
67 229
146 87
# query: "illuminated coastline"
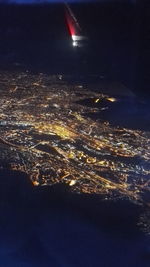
45 132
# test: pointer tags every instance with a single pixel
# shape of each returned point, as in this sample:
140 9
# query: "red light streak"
70 25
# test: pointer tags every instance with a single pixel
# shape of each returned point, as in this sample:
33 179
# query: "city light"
48 134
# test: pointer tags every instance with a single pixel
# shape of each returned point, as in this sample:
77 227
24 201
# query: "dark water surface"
52 227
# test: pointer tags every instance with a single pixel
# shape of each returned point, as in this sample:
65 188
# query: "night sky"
59 1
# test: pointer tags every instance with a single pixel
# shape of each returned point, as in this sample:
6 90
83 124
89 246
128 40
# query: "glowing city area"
45 131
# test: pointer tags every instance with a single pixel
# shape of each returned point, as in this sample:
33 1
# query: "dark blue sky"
56 1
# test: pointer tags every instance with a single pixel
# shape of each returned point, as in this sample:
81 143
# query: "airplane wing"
74 27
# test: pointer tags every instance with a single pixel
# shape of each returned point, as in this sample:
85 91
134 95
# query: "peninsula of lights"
45 131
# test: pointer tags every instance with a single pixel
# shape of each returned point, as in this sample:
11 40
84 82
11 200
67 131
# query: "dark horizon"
62 1
33 34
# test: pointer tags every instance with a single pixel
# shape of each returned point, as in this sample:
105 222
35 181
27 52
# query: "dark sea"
49 226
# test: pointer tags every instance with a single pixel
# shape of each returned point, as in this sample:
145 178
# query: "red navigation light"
70 25
71 29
